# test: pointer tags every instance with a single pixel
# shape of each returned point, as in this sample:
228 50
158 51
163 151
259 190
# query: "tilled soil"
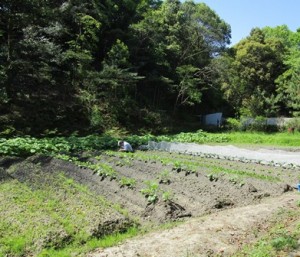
213 185
219 200
209 186
219 234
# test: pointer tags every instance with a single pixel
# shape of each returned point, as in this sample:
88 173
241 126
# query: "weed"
284 242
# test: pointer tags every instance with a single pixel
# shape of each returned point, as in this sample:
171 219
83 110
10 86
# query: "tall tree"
288 82
176 42
254 66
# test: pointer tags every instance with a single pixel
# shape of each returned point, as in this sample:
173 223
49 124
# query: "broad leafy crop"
25 146
28 145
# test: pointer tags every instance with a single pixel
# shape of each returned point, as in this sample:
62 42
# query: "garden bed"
154 187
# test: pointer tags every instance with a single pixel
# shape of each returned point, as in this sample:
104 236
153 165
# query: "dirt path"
219 234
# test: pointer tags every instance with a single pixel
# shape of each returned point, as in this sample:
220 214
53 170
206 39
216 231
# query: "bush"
258 124
233 124
294 123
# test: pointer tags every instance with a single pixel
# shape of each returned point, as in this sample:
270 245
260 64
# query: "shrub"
294 123
233 124
258 124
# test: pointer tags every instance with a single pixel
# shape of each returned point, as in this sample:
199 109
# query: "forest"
73 66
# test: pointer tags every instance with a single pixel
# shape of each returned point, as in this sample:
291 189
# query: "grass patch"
259 138
281 238
53 216
79 249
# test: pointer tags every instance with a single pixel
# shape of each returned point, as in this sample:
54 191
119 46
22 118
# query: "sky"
243 15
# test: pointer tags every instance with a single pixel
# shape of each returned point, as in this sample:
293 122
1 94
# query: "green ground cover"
25 146
52 216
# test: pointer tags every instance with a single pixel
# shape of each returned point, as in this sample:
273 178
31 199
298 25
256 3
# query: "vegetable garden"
87 194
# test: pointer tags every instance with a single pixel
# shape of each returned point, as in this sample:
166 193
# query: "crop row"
189 165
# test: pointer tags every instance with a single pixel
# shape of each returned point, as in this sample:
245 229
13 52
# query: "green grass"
282 139
91 244
52 217
268 139
280 239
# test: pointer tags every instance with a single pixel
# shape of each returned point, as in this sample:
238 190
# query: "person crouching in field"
124 146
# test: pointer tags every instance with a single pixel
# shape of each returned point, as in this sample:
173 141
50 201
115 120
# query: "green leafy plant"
284 242
151 191
167 196
178 166
104 170
234 180
164 177
127 182
212 177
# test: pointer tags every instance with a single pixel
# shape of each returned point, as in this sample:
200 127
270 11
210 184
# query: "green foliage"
167 196
164 177
249 82
188 92
29 145
88 37
233 124
25 146
118 55
197 137
91 66
50 214
128 182
258 124
104 170
294 123
284 242
151 191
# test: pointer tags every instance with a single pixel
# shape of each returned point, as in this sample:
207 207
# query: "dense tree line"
94 65
260 75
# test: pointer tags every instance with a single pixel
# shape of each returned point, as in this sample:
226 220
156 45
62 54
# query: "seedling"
191 169
128 182
177 166
151 191
167 196
234 180
164 162
164 177
104 170
212 177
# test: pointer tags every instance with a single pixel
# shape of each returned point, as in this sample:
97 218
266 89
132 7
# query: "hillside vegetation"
147 66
